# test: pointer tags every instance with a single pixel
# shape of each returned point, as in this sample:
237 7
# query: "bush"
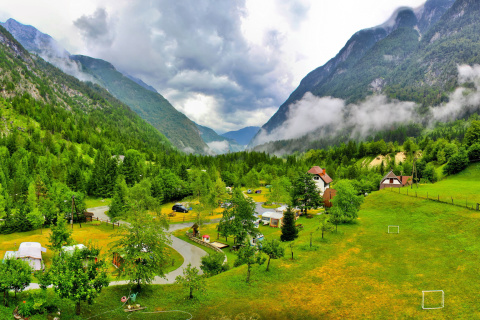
213 264
474 152
457 162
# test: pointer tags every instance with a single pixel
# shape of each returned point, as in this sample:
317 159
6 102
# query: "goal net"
393 229
433 299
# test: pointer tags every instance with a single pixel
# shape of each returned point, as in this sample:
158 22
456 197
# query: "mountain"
242 136
151 106
217 143
139 96
140 82
39 99
377 61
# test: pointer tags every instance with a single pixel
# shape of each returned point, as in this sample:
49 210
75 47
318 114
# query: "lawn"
180 217
211 229
257 197
462 187
361 272
97 202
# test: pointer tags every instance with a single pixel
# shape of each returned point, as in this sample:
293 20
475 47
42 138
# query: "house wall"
320 184
386 184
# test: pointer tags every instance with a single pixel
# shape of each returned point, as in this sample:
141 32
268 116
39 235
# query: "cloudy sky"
226 64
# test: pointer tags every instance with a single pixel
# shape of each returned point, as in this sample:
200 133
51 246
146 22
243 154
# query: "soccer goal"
393 229
431 298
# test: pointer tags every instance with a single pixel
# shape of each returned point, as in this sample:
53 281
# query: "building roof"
319 171
267 214
276 215
390 175
405 179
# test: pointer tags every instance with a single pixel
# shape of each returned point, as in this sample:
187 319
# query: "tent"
32 253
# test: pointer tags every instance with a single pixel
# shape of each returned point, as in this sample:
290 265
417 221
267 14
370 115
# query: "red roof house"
321 178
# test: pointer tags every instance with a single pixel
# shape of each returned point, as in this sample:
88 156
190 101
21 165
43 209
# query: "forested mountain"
412 57
142 98
217 143
242 136
151 106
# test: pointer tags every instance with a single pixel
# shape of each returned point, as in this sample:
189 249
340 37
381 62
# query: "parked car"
179 208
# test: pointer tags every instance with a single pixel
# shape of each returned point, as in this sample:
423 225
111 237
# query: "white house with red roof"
321 178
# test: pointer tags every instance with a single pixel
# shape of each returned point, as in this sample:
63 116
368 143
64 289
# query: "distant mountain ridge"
242 136
139 96
217 143
399 59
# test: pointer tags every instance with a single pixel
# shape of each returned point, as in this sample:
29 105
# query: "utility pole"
414 173
73 199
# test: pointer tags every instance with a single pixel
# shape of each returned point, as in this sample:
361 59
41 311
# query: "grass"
361 272
190 215
462 187
257 197
97 202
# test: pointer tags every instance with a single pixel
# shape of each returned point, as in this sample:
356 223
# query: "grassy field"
463 187
361 272
98 233
97 202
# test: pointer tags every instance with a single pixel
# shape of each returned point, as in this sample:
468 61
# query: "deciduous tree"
76 279
191 280
273 249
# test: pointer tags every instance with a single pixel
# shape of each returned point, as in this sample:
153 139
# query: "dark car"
179 208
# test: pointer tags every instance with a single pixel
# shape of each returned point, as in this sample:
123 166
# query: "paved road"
190 253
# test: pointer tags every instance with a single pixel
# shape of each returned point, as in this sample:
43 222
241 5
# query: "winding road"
190 253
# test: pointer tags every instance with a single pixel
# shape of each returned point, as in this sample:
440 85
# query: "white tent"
71 249
32 253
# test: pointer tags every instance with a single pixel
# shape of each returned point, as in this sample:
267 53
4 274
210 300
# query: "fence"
107 222
449 200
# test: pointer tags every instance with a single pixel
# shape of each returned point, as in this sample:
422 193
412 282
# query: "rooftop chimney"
323 171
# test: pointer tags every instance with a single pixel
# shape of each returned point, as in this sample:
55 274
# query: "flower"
24 301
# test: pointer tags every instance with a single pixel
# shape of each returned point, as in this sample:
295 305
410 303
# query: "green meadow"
359 272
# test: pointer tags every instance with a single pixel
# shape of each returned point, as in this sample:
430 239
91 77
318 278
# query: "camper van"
266 217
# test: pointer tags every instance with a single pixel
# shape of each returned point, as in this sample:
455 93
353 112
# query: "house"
206 238
321 178
30 252
393 181
327 196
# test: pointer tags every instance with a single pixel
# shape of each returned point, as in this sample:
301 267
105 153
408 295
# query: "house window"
316 178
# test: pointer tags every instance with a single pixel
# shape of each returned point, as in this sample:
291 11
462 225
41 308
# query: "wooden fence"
437 198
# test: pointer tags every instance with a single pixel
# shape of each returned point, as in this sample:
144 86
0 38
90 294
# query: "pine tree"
289 230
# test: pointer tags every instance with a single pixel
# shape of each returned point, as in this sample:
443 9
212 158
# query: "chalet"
321 178
393 181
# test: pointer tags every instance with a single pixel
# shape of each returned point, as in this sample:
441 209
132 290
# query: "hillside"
139 96
413 57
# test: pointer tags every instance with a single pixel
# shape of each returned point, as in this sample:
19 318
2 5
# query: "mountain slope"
76 111
142 98
242 136
367 64
151 106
